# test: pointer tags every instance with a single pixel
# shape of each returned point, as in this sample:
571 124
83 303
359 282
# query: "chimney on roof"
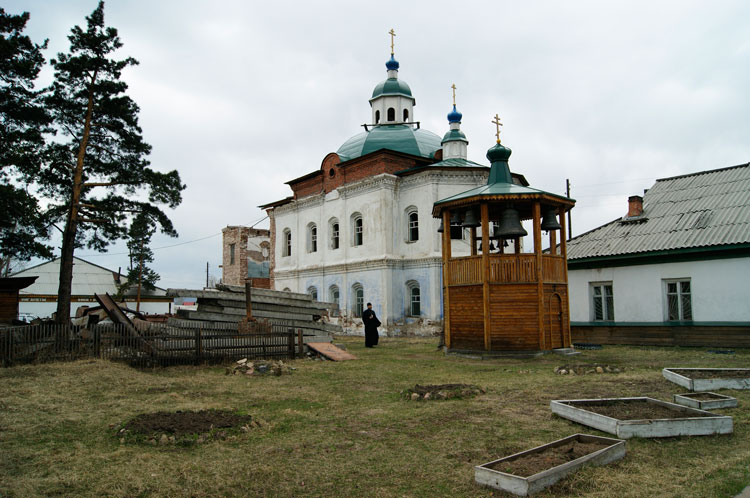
635 206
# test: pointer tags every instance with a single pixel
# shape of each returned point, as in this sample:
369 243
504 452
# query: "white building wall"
386 260
718 290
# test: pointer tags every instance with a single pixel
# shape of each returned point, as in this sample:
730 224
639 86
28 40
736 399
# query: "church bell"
549 221
440 228
470 220
456 218
510 225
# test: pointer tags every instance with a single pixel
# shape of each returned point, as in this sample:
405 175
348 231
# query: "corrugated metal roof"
699 210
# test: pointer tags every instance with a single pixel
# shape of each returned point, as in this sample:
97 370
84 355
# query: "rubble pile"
596 368
259 367
441 391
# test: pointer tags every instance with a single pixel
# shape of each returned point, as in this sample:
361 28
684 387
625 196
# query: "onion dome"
392 64
498 153
454 116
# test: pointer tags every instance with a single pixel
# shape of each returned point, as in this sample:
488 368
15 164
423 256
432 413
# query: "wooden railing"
466 270
506 268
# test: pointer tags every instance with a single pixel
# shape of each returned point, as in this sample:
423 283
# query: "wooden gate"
555 337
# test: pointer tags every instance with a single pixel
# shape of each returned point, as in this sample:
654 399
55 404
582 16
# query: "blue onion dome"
498 153
454 116
392 65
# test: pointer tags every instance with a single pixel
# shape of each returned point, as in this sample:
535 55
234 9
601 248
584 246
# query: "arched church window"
312 238
333 227
412 224
357 230
358 300
286 248
414 296
313 293
377 117
391 114
333 294
406 115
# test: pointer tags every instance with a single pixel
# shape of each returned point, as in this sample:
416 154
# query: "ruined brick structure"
246 254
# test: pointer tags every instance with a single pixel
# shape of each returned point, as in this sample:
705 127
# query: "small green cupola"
454 141
392 101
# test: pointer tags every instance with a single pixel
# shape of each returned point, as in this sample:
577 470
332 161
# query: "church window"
231 253
287 247
406 115
412 226
333 294
313 293
377 117
287 289
414 296
312 238
334 231
357 230
359 300
391 114
331 172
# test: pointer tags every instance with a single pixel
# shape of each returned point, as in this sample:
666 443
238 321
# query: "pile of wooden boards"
293 310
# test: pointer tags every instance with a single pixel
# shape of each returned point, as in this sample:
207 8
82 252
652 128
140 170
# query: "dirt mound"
442 391
179 426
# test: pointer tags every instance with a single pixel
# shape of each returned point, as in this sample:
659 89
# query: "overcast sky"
242 96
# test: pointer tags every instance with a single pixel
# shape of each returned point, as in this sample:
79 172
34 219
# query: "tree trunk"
71 225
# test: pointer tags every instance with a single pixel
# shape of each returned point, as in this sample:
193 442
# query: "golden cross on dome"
498 124
454 94
392 33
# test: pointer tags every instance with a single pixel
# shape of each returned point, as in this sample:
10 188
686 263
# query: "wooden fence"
159 344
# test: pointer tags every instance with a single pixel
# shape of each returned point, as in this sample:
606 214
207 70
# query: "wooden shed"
9 288
497 300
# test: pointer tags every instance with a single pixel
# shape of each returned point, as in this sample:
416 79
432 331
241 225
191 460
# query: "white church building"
359 229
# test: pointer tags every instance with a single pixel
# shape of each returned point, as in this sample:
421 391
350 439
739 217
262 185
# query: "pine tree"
99 176
140 276
23 122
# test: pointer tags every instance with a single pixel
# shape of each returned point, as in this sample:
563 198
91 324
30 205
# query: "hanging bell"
456 218
470 220
510 225
440 228
549 221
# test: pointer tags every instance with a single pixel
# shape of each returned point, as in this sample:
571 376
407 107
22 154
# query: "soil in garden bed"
533 463
703 396
636 410
182 423
713 374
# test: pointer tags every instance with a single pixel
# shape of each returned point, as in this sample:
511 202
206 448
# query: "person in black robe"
371 326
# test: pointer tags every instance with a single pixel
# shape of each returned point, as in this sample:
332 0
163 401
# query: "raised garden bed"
705 400
709 379
532 470
642 417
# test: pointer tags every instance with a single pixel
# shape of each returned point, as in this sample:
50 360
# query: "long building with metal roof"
673 270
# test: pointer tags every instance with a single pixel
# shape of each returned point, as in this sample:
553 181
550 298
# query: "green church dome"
392 86
400 138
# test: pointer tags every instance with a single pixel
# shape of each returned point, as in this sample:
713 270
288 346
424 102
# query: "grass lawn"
343 429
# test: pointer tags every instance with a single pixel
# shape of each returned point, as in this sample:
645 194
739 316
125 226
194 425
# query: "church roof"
392 86
400 138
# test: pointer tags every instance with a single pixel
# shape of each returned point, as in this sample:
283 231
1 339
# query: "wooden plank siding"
506 268
467 320
718 336
513 317
8 306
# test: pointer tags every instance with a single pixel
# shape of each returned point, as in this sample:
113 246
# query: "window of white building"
412 224
333 227
333 294
414 296
358 300
313 293
286 248
679 304
312 238
357 230
602 301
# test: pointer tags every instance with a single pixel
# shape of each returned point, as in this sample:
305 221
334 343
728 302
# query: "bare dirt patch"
636 410
713 374
442 391
533 463
184 426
